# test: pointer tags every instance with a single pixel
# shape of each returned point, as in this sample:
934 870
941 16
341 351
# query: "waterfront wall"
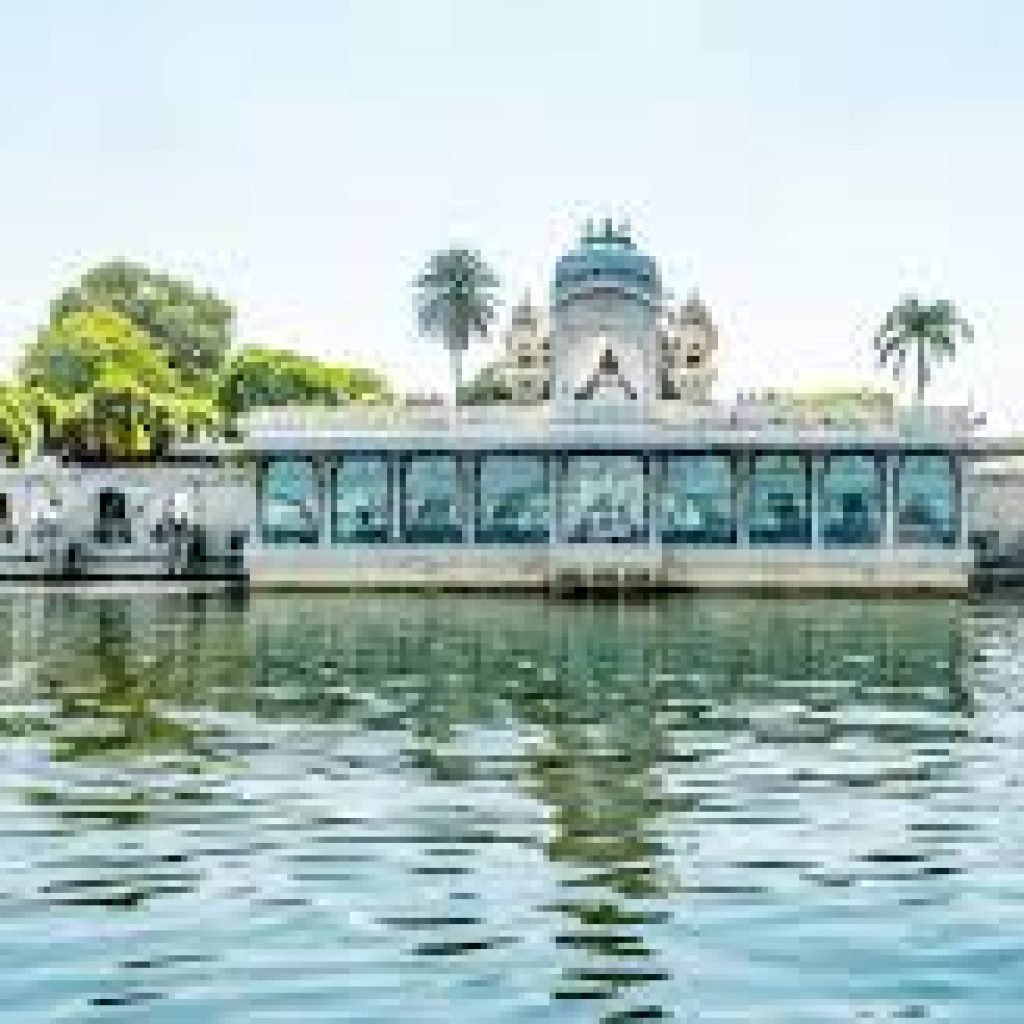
117 521
997 504
126 537
586 520
612 567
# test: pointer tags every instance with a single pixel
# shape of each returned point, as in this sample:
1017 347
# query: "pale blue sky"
801 163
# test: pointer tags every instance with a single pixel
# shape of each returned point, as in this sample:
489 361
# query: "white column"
554 478
323 475
395 470
742 495
889 539
655 464
817 477
467 497
963 484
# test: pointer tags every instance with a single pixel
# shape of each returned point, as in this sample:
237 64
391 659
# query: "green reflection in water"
557 791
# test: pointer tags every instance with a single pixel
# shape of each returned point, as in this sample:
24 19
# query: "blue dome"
606 261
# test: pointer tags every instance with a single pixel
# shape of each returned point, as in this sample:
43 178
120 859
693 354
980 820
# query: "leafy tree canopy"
17 421
259 376
190 326
489 385
67 359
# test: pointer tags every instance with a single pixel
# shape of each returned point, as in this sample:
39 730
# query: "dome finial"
607 259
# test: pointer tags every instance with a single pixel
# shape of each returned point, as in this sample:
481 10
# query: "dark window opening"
6 518
112 523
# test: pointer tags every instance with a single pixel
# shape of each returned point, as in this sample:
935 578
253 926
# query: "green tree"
67 359
456 300
99 388
123 416
489 385
259 376
48 414
189 414
361 384
930 332
17 421
120 419
192 327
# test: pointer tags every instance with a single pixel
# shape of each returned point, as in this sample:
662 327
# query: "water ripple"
420 809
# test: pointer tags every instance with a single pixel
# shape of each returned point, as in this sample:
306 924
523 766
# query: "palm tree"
456 300
931 331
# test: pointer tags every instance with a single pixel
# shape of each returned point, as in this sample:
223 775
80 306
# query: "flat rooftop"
661 425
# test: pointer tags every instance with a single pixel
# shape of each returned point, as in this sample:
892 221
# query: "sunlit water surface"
399 809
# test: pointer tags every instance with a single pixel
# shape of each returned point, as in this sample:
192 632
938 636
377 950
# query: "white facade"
609 330
604 483
119 521
607 480
604 359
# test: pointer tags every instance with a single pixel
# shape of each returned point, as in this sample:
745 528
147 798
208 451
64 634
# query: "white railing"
740 419
391 418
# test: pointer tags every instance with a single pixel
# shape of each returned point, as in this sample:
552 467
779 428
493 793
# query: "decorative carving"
606 374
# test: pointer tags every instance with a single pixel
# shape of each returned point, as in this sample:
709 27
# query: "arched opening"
606 378
6 518
112 523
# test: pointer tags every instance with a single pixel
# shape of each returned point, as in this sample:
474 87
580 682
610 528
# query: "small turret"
688 341
526 361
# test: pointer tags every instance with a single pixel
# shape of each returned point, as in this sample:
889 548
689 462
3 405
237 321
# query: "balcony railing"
740 419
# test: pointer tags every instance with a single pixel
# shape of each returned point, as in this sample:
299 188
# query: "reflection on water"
414 809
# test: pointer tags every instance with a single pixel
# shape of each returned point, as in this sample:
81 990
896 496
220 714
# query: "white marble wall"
583 330
53 505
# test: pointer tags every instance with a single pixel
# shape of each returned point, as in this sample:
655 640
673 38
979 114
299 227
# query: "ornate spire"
524 313
694 311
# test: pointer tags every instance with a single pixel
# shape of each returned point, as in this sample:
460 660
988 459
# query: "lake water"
404 809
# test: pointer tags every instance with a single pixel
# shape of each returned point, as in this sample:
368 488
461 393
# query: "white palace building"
616 469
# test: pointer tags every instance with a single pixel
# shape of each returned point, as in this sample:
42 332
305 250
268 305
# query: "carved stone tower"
689 345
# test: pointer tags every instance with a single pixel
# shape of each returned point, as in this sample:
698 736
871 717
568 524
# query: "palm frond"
455 296
930 330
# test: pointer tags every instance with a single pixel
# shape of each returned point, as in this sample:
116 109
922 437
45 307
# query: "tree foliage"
70 357
192 327
17 422
132 360
117 418
259 376
928 331
99 388
489 385
456 300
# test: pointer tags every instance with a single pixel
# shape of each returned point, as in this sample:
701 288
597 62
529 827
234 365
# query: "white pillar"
741 485
467 497
395 471
963 482
323 476
817 477
554 477
891 462
655 465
